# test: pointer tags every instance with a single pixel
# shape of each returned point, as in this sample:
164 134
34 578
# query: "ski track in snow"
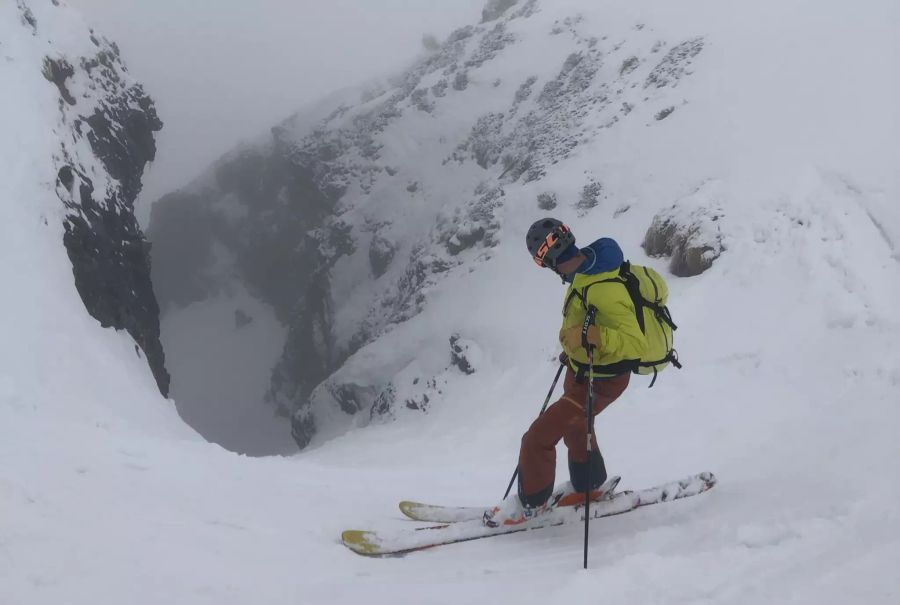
789 392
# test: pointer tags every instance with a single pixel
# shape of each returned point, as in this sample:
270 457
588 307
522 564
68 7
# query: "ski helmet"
547 239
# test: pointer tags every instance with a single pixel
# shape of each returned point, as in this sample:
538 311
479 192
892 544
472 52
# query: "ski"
406 540
433 513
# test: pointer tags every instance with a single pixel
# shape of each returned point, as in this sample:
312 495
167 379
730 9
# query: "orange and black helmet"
547 239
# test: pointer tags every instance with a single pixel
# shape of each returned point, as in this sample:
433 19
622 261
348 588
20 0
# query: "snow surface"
789 392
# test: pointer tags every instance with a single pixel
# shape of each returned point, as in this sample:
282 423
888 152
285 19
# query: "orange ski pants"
564 420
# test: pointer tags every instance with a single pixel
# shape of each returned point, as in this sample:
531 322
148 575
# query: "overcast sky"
225 70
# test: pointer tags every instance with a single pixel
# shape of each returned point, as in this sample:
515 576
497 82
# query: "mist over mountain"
223 72
340 225
337 226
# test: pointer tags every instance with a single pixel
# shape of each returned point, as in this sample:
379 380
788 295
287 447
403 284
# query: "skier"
630 331
619 345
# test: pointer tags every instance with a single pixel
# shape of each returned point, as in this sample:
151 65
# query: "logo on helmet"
547 240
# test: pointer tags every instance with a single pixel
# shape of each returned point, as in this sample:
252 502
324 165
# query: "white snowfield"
790 391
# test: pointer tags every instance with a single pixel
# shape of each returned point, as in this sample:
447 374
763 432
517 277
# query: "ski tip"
612 483
360 542
410 508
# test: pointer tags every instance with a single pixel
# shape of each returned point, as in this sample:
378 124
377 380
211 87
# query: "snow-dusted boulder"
688 232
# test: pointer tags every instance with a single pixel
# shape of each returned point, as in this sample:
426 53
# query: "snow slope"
789 392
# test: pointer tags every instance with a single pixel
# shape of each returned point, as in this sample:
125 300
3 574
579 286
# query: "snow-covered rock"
104 125
688 232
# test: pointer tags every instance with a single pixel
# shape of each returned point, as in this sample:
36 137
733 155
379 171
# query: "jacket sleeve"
621 336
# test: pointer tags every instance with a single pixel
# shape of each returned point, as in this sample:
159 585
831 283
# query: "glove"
570 338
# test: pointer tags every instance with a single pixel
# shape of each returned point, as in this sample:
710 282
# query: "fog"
225 70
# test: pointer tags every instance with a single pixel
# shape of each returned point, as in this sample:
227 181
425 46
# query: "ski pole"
589 410
546 401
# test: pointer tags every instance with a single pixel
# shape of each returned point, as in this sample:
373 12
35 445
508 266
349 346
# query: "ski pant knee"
578 473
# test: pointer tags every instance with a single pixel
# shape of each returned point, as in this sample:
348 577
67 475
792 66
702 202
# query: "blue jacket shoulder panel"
602 256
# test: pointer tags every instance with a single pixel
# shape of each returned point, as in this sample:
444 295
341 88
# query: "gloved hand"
570 338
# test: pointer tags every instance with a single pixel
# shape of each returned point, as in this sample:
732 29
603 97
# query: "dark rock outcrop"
494 9
109 254
58 71
674 64
110 262
459 349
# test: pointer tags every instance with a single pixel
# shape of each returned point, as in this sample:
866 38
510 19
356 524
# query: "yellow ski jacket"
622 342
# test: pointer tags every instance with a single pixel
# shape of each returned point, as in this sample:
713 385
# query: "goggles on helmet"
556 242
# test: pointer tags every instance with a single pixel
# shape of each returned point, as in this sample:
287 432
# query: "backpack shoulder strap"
626 278
634 291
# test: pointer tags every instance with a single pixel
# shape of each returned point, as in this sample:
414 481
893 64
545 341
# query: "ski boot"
512 512
565 494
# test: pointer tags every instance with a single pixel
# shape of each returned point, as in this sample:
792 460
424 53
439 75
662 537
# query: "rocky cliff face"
106 125
344 226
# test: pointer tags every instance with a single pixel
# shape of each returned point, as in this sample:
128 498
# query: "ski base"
406 540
